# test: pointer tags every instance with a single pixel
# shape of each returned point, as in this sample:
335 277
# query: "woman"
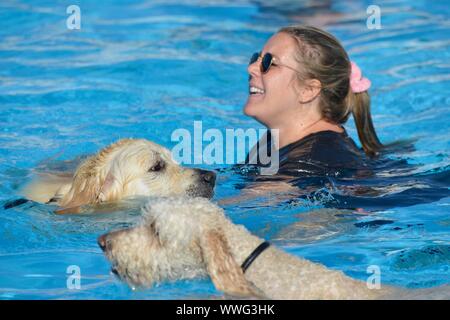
304 84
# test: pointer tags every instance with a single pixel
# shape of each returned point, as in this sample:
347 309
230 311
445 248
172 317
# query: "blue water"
147 68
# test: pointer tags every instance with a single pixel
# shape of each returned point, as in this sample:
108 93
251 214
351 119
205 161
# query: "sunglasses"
267 62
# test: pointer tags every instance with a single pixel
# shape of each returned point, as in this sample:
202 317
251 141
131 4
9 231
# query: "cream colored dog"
129 167
187 238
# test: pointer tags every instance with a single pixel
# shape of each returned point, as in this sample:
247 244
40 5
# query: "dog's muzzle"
204 187
208 177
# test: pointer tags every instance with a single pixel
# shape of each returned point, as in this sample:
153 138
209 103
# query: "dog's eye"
157 167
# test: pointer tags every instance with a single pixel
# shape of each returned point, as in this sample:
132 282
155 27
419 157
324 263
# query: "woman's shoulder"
324 150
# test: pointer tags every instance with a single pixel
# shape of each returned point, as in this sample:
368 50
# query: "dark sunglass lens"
266 62
254 57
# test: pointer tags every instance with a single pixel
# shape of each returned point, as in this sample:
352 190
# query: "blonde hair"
321 56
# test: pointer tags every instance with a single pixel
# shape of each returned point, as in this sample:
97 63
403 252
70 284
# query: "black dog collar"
259 249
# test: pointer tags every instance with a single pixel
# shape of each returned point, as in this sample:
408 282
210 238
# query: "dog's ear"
88 189
224 271
109 188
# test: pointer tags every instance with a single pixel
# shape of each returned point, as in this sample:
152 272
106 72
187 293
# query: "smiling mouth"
255 90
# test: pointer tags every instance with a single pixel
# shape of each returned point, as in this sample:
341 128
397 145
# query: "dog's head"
133 167
177 239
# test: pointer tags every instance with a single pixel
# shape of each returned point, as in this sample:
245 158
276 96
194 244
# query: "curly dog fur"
187 238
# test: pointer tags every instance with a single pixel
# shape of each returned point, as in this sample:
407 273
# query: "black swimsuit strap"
259 249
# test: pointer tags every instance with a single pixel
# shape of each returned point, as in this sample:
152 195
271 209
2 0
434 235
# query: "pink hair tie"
357 82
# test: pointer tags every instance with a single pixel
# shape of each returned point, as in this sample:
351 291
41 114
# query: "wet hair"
321 56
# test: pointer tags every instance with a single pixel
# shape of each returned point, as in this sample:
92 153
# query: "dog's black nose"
114 271
208 176
102 242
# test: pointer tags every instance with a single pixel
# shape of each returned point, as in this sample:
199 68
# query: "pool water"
149 67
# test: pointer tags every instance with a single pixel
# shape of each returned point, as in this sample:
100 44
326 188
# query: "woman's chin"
252 108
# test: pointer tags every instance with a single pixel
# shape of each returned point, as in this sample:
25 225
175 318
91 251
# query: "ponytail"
359 103
344 89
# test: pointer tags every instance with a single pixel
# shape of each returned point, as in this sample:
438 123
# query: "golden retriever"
129 167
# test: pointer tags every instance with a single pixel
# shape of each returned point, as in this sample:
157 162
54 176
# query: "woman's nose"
253 69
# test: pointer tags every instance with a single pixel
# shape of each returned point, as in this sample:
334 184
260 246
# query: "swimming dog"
129 167
188 238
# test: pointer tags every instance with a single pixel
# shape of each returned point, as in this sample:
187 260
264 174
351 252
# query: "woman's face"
280 85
